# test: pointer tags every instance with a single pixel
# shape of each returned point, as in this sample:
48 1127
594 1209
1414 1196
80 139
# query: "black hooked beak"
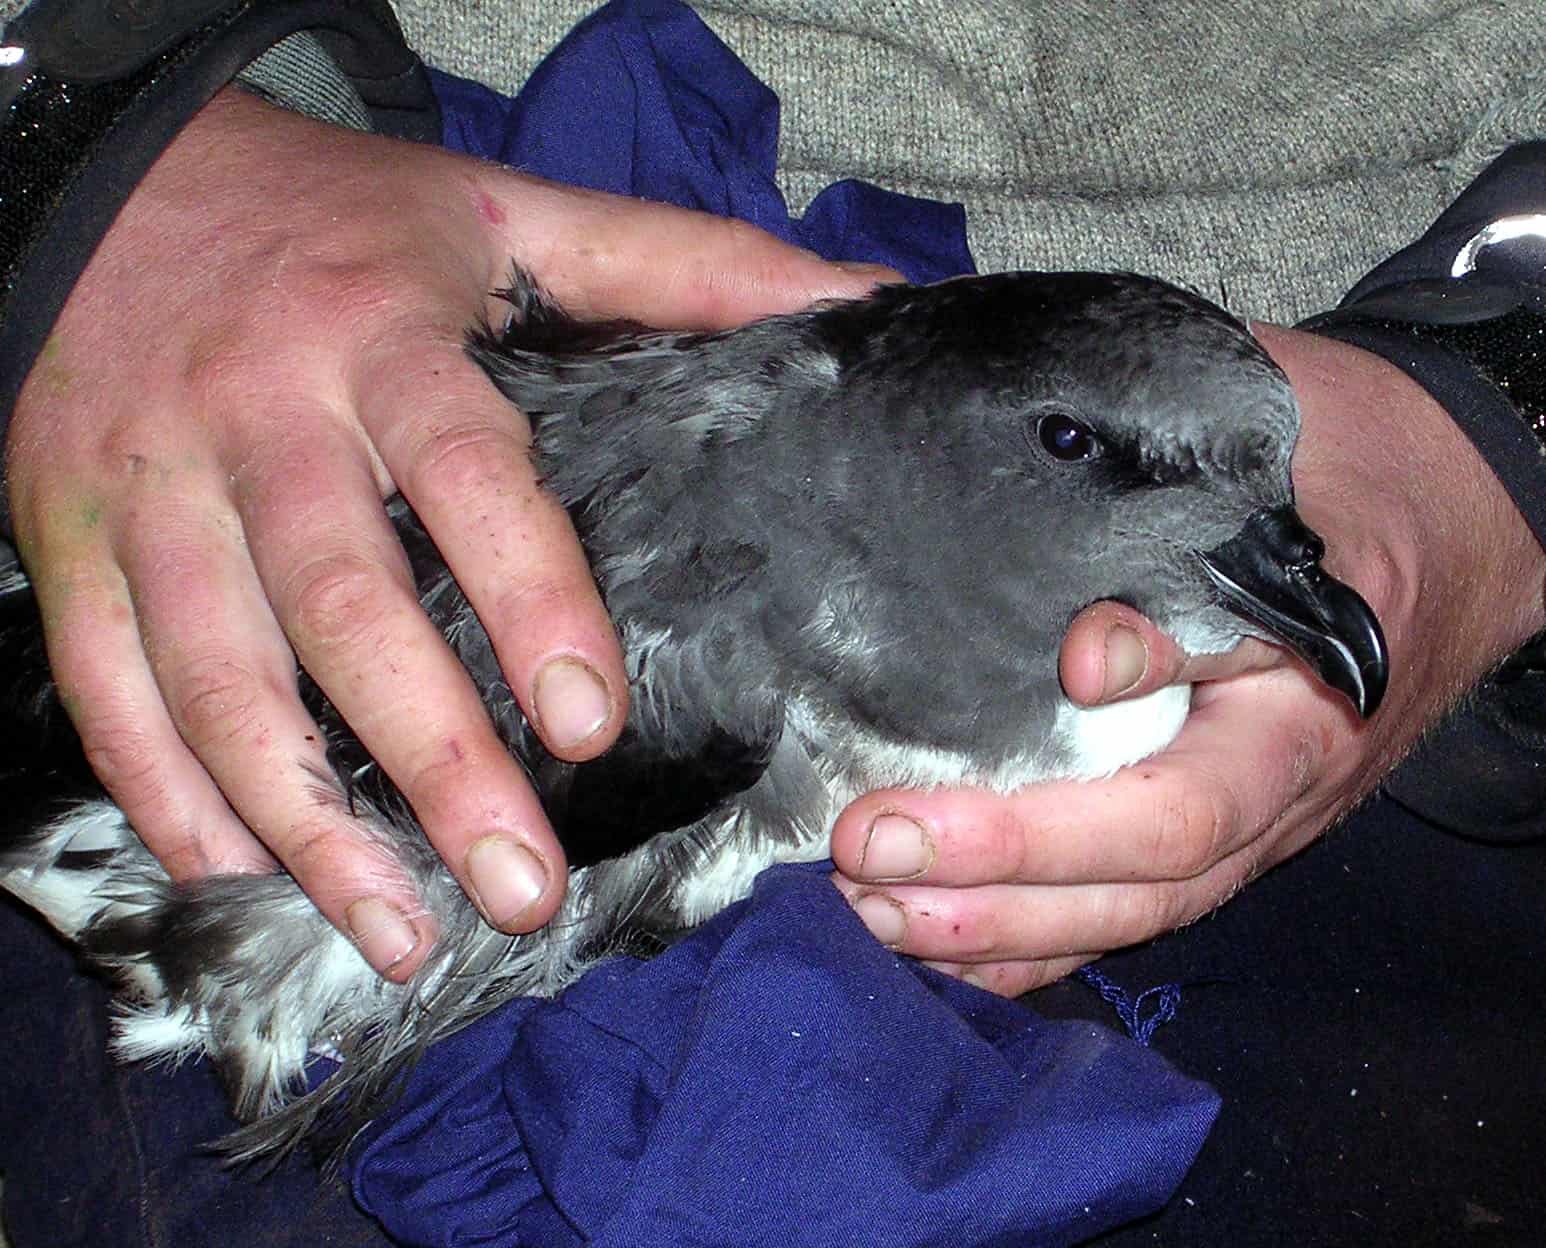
1270 573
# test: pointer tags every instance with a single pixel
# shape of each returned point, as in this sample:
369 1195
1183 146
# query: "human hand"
196 470
1016 891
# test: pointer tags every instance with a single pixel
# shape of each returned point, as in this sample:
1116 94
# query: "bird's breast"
1096 740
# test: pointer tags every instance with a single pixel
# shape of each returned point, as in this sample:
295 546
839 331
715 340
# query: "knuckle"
426 780
116 745
318 854
336 860
129 767
1193 826
338 602
352 290
467 462
214 366
1005 845
125 454
965 933
122 758
540 605
249 352
214 700
1147 911
333 293
311 848
245 354
445 780
179 851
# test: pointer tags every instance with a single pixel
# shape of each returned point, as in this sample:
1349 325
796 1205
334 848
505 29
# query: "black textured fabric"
103 40
1510 351
1476 342
71 152
53 130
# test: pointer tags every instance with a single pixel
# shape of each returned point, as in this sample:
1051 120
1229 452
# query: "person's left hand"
195 470
1015 891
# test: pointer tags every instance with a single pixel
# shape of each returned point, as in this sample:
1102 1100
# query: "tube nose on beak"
1270 573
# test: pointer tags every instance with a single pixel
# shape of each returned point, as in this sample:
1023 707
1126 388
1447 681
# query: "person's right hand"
267 343
1015 890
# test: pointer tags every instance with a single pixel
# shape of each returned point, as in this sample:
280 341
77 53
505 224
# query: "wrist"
1406 498
91 99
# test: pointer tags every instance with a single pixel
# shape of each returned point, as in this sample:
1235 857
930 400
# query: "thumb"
605 256
1112 653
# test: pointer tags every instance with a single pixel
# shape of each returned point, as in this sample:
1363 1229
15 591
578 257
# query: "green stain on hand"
51 370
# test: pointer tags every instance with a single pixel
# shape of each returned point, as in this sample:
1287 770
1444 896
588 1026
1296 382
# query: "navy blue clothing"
1369 1013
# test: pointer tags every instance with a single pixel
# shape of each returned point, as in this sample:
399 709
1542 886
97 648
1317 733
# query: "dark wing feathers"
636 791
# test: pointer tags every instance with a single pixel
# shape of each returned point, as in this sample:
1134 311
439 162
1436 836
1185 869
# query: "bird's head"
1067 437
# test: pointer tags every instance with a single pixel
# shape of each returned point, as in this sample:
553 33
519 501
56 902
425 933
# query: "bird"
840 547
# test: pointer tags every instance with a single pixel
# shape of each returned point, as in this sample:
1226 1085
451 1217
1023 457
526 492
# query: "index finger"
1247 753
461 454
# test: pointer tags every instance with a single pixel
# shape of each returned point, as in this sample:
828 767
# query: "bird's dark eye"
1066 438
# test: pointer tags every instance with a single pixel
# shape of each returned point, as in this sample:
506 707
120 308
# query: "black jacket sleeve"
1463 312
92 91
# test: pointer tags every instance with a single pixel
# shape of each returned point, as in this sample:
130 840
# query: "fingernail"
1127 659
886 920
896 849
507 879
864 268
381 932
572 703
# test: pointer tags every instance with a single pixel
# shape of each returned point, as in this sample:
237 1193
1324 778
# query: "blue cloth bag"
778 1077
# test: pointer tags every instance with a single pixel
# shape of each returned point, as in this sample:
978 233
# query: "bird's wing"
644 786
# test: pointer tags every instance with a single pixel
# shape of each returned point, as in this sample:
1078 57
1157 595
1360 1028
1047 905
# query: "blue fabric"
778 1077
643 99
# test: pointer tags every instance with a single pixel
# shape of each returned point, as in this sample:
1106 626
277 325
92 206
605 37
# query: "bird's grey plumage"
841 548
